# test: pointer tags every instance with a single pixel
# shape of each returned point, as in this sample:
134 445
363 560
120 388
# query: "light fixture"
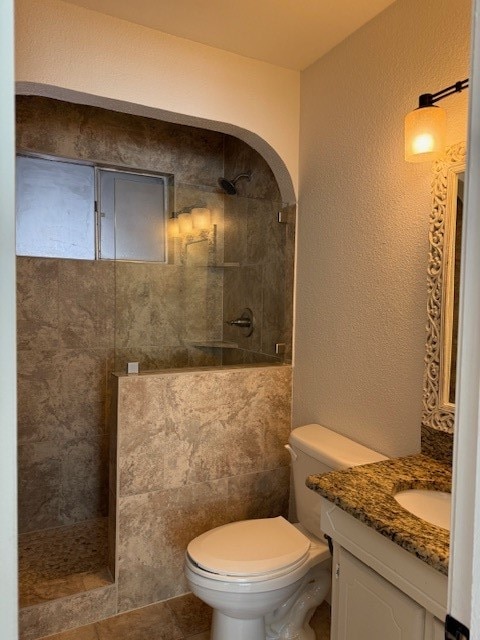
185 222
173 227
425 128
201 218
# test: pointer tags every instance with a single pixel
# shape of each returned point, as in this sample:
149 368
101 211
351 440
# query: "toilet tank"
315 450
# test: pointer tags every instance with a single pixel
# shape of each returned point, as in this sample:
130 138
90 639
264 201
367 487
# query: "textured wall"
195 450
363 222
65 51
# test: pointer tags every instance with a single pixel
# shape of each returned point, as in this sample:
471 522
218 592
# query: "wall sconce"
201 218
425 127
185 223
173 227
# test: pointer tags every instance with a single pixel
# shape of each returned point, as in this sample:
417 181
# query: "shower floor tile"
55 563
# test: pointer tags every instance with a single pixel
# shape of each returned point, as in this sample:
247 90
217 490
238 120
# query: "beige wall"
363 222
73 53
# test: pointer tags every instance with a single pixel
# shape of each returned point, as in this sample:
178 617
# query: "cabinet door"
370 608
438 629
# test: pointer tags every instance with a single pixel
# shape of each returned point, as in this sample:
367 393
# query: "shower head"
229 185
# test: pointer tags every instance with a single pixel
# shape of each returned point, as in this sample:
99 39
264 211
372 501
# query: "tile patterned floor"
55 563
184 618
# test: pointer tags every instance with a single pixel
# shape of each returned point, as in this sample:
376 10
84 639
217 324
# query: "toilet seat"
266 548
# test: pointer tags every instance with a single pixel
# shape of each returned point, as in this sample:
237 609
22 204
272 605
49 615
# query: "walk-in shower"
165 298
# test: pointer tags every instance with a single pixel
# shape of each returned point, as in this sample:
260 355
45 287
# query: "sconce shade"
201 218
173 228
425 133
185 223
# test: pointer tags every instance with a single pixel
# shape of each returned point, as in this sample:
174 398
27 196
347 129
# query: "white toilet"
265 578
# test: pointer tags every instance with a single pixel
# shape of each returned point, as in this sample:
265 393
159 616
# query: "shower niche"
169 234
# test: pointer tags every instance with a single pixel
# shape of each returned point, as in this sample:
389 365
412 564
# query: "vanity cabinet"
367 607
379 590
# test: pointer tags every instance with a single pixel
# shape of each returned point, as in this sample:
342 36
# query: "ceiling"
287 33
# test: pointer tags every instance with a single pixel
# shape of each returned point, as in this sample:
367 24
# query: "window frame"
168 180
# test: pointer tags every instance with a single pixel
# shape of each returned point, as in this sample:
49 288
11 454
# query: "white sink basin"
432 506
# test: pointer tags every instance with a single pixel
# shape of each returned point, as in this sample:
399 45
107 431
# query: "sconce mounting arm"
429 99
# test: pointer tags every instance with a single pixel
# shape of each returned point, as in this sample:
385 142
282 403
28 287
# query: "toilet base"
224 627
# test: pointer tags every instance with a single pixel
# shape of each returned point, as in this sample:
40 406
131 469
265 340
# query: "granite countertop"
366 492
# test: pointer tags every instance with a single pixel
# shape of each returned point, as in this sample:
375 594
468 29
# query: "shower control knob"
244 322
240 322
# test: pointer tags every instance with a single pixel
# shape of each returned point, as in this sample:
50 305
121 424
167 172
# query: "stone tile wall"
72 313
264 249
65 313
196 449
79 320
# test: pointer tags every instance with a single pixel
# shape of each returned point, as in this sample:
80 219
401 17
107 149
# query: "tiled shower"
81 321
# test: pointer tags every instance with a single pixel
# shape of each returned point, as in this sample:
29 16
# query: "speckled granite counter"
366 492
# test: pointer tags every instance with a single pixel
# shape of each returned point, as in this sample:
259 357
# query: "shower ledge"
221 265
214 344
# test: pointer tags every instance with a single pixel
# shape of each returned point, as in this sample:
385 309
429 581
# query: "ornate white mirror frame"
438 410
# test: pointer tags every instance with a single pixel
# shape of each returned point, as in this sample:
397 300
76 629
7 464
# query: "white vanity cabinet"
379 590
367 607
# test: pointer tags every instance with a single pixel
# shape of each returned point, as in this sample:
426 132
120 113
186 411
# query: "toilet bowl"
247 570
264 578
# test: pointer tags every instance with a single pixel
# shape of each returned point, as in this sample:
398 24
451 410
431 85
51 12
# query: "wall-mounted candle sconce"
425 127
185 223
189 220
201 218
173 228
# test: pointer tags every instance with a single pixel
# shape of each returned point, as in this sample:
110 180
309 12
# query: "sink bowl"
432 506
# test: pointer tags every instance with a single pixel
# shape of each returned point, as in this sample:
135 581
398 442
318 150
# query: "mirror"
445 237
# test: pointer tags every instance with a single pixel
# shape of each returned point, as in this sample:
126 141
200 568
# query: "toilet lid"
249 547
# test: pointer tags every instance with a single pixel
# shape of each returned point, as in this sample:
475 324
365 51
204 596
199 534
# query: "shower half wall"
81 320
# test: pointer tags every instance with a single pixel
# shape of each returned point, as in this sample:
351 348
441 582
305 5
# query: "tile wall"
65 313
79 320
195 449
264 250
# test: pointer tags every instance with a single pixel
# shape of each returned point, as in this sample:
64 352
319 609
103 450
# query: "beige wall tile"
37 303
39 480
259 495
84 480
223 428
242 289
240 158
141 434
154 530
86 303
67 613
40 406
